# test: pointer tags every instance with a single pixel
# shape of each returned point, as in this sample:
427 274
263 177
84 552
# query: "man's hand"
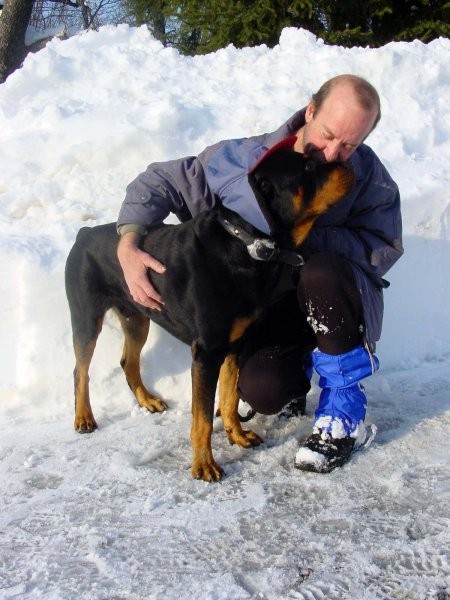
134 263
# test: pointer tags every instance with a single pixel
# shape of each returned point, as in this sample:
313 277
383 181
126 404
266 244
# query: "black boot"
321 453
294 408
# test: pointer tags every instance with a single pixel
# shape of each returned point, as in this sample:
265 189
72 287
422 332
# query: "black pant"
324 311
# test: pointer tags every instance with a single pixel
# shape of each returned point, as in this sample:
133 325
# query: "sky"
115 514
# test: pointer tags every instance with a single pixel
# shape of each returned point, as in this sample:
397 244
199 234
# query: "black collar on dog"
262 248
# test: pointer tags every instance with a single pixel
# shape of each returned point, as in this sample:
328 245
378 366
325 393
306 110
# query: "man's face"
337 129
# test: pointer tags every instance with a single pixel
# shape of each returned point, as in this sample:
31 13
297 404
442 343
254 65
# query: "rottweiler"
220 275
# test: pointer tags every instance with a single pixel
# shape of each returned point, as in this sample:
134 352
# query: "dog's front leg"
228 405
205 371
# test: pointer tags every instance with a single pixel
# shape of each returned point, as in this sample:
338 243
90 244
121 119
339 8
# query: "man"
327 314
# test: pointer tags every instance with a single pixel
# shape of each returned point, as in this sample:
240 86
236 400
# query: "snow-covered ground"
116 514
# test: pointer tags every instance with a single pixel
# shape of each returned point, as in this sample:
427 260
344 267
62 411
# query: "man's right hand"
134 263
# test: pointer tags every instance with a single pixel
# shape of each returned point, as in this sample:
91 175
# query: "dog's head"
293 191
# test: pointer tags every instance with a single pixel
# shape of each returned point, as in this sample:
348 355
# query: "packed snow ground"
115 514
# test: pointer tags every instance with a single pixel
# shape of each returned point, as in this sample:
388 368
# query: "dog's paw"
208 473
153 404
207 470
244 438
85 424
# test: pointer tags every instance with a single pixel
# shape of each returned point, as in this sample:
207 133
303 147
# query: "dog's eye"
266 188
309 165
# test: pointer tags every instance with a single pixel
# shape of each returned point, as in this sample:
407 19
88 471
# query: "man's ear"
309 112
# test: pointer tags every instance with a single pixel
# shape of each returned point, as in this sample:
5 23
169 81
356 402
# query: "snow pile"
115 514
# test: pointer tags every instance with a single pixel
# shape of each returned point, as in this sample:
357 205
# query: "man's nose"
331 152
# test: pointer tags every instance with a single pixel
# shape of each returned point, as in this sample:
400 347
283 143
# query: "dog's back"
210 279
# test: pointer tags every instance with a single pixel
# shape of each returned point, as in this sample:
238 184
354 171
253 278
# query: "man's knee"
328 294
325 270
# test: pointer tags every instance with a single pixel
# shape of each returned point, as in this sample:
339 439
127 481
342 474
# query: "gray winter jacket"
365 227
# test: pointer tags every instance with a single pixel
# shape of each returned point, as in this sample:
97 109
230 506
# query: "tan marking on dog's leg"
84 419
228 405
136 330
203 389
240 326
237 331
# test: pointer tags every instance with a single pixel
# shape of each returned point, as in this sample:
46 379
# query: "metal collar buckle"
262 249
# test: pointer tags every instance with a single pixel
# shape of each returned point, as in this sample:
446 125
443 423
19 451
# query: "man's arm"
177 186
148 201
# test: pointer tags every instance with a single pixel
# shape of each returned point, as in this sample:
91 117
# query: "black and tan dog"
220 274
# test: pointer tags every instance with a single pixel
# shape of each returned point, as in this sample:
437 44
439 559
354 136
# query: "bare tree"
72 14
46 16
13 26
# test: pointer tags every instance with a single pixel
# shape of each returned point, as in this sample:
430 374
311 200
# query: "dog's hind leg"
228 405
84 346
136 328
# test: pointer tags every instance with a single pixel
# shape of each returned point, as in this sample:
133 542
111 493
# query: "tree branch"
70 3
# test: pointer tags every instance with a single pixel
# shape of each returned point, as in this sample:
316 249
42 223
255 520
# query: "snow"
306 456
115 514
